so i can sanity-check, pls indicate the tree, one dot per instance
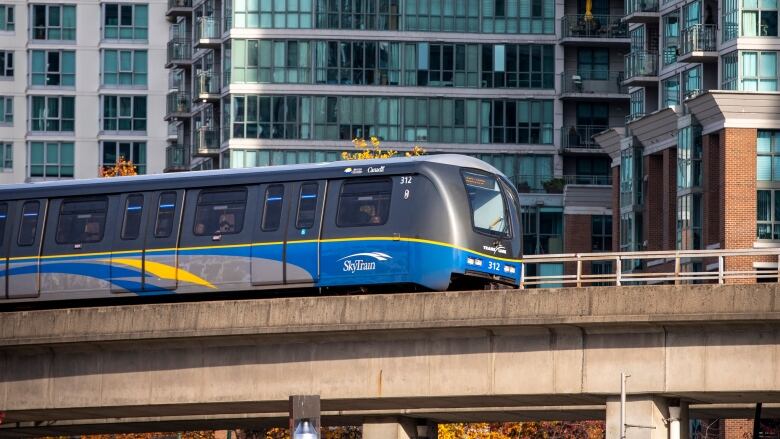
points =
(524, 430)
(122, 168)
(372, 149)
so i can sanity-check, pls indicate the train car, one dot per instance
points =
(434, 222)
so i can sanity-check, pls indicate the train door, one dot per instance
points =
(25, 246)
(269, 231)
(76, 253)
(302, 245)
(4, 245)
(129, 235)
(162, 238)
(215, 234)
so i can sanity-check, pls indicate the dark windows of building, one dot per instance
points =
(518, 66)
(50, 160)
(542, 230)
(130, 151)
(54, 22)
(601, 233)
(759, 18)
(593, 63)
(52, 113)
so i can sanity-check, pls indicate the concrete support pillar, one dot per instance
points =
(678, 420)
(641, 411)
(389, 428)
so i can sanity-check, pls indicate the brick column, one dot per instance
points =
(738, 194)
(654, 201)
(578, 240)
(616, 208)
(669, 199)
(711, 189)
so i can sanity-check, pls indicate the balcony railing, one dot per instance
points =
(595, 26)
(581, 136)
(208, 28)
(178, 103)
(634, 6)
(177, 158)
(537, 183)
(207, 141)
(177, 7)
(699, 38)
(208, 84)
(668, 267)
(641, 63)
(631, 117)
(179, 51)
(593, 81)
(600, 180)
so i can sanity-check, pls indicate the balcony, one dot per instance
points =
(208, 86)
(177, 159)
(179, 53)
(206, 142)
(173, 131)
(177, 105)
(641, 68)
(699, 44)
(207, 32)
(593, 85)
(537, 184)
(596, 30)
(178, 8)
(641, 11)
(579, 138)
(590, 180)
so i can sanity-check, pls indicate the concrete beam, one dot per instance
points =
(596, 306)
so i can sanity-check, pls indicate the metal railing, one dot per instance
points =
(593, 82)
(600, 180)
(699, 38)
(595, 26)
(178, 102)
(175, 4)
(531, 183)
(641, 63)
(208, 83)
(634, 6)
(632, 117)
(659, 267)
(179, 50)
(208, 28)
(177, 158)
(580, 136)
(207, 141)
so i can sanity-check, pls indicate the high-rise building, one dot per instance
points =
(81, 83)
(522, 84)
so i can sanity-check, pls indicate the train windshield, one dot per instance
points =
(488, 207)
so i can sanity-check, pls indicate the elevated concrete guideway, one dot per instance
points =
(485, 354)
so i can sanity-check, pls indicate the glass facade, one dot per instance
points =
(53, 68)
(50, 160)
(7, 20)
(125, 21)
(125, 68)
(53, 22)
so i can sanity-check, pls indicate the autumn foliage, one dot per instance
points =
(122, 168)
(524, 430)
(372, 149)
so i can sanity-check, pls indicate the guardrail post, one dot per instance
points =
(522, 276)
(618, 270)
(720, 269)
(677, 269)
(579, 271)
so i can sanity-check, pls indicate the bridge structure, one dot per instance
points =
(396, 363)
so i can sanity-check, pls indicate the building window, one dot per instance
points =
(357, 62)
(691, 82)
(759, 71)
(50, 160)
(768, 214)
(637, 108)
(7, 22)
(54, 22)
(516, 66)
(542, 230)
(671, 27)
(125, 21)
(601, 233)
(124, 67)
(691, 14)
(532, 172)
(132, 151)
(521, 121)
(689, 152)
(365, 15)
(266, 117)
(53, 68)
(266, 61)
(441, 16)
(7, 156)
(730, 19)
(124, 113)
(630, 177)
(6, 64)
(290, 14)
(730, 71)
(670, 92)
(523, 16)
(248, 158)
(768, 155)
(689, 214)
(6, 110)
(759, 20)
(593, 63)
(52, 113)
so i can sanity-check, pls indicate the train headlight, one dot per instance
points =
(478, 262)
(512, 269)
(470, 261)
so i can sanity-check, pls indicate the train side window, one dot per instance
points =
(131, 225)
(166, 212)
(488, 206)
(364, 203)
(307, 206)
(272, 209)
(29, 221)
(81, 220)
(220, 212)
(3, 217)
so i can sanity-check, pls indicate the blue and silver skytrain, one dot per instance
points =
(434, 222)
